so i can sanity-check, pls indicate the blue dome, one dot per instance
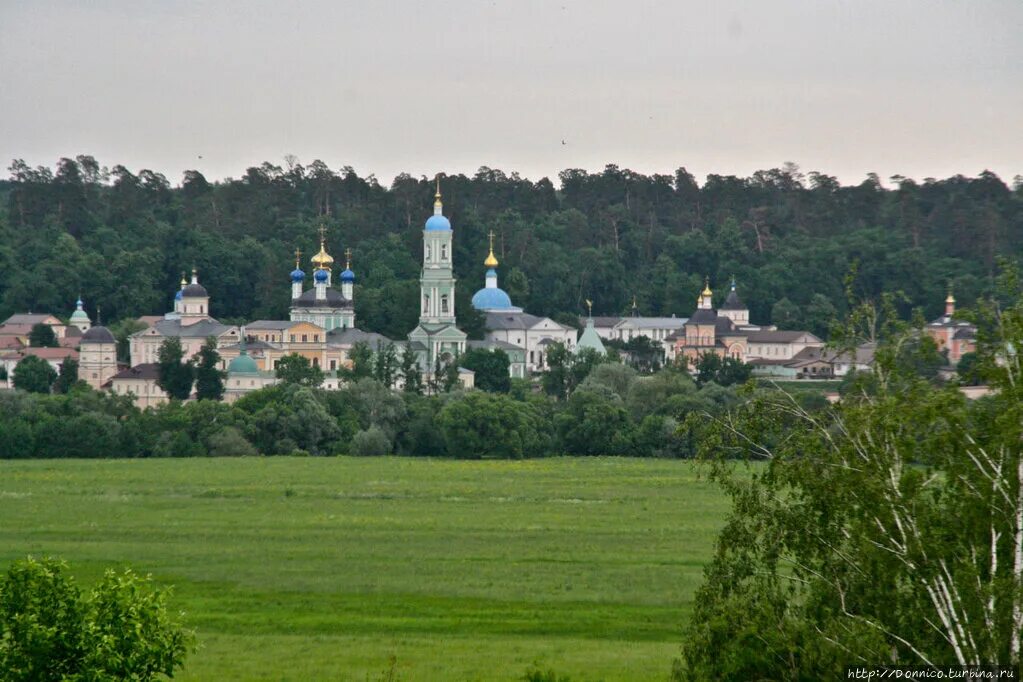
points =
(438, 223)
(297, 275)
(177, 296)
(491, 299)
(347, 276)
(321, 276)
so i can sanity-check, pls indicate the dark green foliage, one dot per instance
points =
(371, 442)
(883, 528)
(34, 375)
(491, 368)
(411, 374)
(128, 235)
(480, 425)
(42, 336)
(968, 370)
(297, 370)
(67, 377)
(209, 378)
(362, 361)
(176, 375)
(723, 372)
(594, 422)
(120, 630)
(385, 365)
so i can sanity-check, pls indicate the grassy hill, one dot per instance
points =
(341, 568)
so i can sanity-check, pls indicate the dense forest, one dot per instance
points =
(123, 239)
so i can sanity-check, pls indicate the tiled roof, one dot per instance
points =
(146, 371)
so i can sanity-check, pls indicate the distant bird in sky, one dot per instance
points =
(563, 142)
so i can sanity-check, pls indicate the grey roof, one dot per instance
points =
(652, 322)
(496, 320)
(98, 335)
(194, 290)
(494, 343)
(861, 355)
(270, 324)
(147, 370)
(333, 299)
(254, 344)
(350, 336)
(202, 328)
(600, 321)
(28, 318)
(778, 336)
(733, 302)
(966, 333)
(702, 316)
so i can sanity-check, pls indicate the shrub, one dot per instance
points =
(371, 442)
(229, 442)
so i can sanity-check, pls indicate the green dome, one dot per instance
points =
(243, 364)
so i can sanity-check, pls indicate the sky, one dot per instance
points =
(916, 88)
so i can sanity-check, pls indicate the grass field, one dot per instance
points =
(326, 568)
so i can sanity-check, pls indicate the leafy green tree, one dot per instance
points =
(371, 442)
(297, 370)
(42, 336)
(230, 442)
(593, 422)
(362, 360)
(490, 367)
(644, 354)
(411, 375)
(968, 370)
(385, 368)
(67, 377)
(479, 425)
(557, 380)
(819, 315)
(33, 374)
(785, 314)
(209, 378)
(884, 527)
(448, 378)
(707, 367)
(120, 630)
(175, 375)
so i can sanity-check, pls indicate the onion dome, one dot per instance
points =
(491, 299)
(177, 295)
(243, 364)
(320, 275)
(322, 260)
(98, 335)
(491, 261)
(79, 314)
(437, 222)
(347, 275)
(297, 275)
(706, 287)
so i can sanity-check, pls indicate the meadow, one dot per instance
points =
(357, 569)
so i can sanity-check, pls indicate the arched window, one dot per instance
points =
(444, 303)
(444, 252)
(427, 252)
(426, 303)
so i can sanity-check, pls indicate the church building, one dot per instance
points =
(323, 305)
(437, 340)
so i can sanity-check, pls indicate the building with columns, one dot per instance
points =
(437, 340)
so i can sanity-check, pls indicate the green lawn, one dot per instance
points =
(325, 568)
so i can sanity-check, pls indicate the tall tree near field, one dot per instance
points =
(361, 356)
(209, 378)
(491, 368)
(175, 376)
(385, 366)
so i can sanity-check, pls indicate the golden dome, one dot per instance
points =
(706, 287)
(491, 261)
(322, 260)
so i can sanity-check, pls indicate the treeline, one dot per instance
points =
(609, 410)
(121, 239)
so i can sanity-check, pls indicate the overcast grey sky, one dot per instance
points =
(925, 88)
